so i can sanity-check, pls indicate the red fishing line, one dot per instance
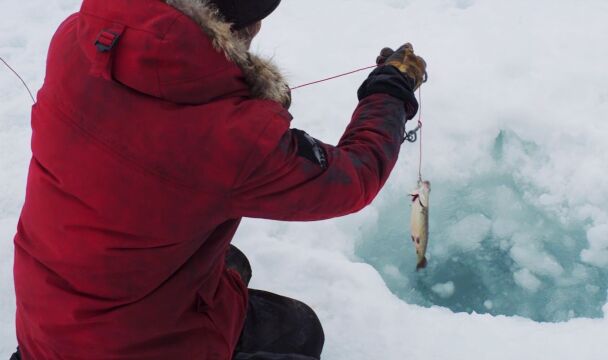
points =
(333, 77)
(419, 110)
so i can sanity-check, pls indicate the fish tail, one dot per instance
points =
(421, 264)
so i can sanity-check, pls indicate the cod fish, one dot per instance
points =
(420, 221)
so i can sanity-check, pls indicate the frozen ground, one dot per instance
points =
(514, 146)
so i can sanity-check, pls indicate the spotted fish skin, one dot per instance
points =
(420, 221)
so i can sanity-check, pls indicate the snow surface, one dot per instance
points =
(514, 118)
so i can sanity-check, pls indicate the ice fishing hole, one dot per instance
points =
(492, 250)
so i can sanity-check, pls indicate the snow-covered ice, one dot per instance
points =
(514, 141)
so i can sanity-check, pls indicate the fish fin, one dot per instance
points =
(415, 197)
(424, 200)
(421, 264)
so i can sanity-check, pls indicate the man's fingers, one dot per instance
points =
(406, 48)
(403, 52)
(386, 52)
(407, 62)
(421, 60)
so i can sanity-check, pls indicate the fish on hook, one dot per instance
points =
(420, 221)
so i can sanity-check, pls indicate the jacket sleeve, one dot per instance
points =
(304, 179)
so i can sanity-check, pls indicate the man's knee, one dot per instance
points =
(281, 325)
(237, 261)
(313, 330)
(311, 336)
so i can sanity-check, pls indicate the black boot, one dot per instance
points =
(16, 356)
(279, 328)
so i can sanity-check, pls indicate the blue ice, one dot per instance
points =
(492, 248)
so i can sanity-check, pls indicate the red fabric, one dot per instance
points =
(137, 185)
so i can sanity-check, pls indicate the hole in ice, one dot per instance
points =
(493, 248)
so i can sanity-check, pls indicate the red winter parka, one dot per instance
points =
(154, 133)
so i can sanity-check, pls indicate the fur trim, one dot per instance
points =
(263, 77)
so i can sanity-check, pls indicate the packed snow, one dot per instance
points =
(514, 146)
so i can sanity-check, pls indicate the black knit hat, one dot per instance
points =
(245, 12)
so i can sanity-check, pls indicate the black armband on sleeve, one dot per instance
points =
(389, 80)
(310, 148)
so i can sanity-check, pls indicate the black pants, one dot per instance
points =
(276, 327)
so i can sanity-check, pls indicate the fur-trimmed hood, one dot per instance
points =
(262, 76)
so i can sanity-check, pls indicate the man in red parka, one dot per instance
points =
(155, 132)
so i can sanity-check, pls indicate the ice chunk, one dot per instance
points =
(535, 260)
(468, 233)
(527, 280)
(597, 253)
(393, 272)
(445, 290)
(503, 227)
